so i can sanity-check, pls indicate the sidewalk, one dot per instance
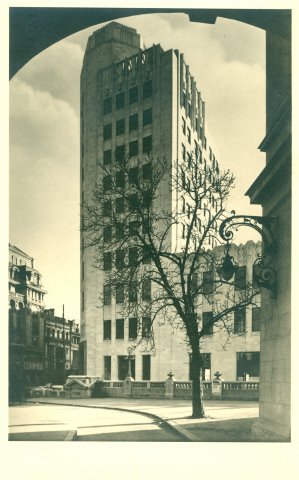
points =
(225, 421)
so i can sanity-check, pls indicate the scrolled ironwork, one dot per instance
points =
(261, 224)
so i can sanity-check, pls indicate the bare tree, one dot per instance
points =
(154, 226)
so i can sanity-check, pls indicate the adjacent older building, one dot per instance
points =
(62, 338)
(43, 348)
(26, 323)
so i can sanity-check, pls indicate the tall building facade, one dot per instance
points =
(142, 104)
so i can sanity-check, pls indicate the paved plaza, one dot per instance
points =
(113, 419)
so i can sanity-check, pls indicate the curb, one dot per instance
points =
(71, 436)
(182, 432)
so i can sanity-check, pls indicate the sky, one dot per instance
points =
(228, 62)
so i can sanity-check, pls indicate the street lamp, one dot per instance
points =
(130, 350)
(263, 274)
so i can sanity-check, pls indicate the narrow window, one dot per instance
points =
(120, 126)
(133, 95)
(240, 321)
(120, 100)
(119, 205)
(206, 319)
(147, 172)
(256, 319)
(107, 208)
(207, 281)
(107, 261)
(240, 278)
(146, 367)
(133, 176)
(133, 148)
(147, 117)
(147, 89)
(132, 328)
(120, 259)
(107, 330)
(120, 153)
(146, 290)
(120, 329)
(107, 131)
(133, 122)
(133, 292)
(146, 327)
(107, 183)
(107, 233)
(147, 144)
(107, 294)
(120, 179)
(107, 368)
(133, 256)
(107, 105)
(107, 157)
(120, 293)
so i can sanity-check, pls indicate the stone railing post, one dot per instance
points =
(128, 381)
(169, 386)
(217, 386)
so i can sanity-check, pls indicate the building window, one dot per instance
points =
(107, 233)
(146, 255)
(107, 131)
(207, 282)
(240, 278)
(120, 126)
(146, 327)
(120, 259)
(189, 135)
(107, 105)
(120, 100)
(146, 290)
(34, 331)
(120, 329)
(133, 95)
(133, 176)
(240, 321)
(133, 256)
(256, 319)
(107, 183)
(107, 261)
(120, 153)
(107, 294)
(146, 367)
(120, 179)
(133, 202)
(120, 293)
(147, 117)
(107, 208)
(189, 159)
(119, 231)
(147, 172)
(82, 301)
(206, 318)
(122, 361)
(183, 152)
(107, 368)
(107, 330)
(248, 363)
(147, 144)
(133, 228)
(133, 292)
(133, 148)
(107, 157)
(132, 328)
(147, 89)
(133, 122)
(119, 205)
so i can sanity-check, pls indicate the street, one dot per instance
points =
(52, 422)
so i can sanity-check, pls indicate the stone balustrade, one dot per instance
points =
(80, 386)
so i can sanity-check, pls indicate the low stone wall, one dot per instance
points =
(94, 387)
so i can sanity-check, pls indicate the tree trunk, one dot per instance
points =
(198, 410)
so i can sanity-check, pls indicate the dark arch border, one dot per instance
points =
(33, 29)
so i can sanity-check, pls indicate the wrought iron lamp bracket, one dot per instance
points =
(264, 275)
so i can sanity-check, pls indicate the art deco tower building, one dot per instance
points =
(142, 102)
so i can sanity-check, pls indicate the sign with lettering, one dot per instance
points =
(33, 365)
